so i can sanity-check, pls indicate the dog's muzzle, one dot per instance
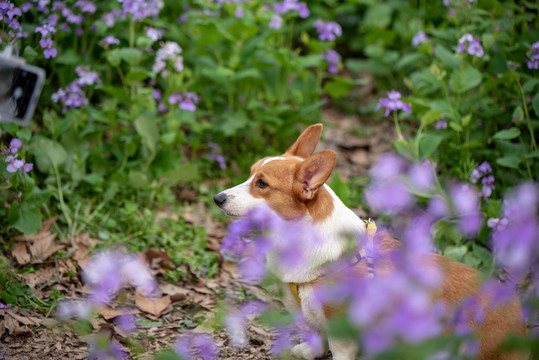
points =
(220, 199)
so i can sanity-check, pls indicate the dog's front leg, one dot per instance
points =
(343, 349)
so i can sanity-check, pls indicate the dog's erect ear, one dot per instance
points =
(312, 173)
(307, 141)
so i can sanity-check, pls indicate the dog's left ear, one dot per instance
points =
(307, 141)
(312, 173)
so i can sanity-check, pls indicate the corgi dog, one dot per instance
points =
(293, 186)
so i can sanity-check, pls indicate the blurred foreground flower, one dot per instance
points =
(533, 63)
(332, 59)
(193, 346)
(419, 38)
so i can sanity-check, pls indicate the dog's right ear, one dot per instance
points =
(306, 143)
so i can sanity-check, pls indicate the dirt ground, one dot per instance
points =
(27, 334)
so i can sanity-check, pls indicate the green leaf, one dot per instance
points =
(430, 117)
(535, 104)
(69, 57)
(510, 161)
(447, 57)
(143, 42)
(483, 254)
(532, 154)
(136, 76)
(29, 54)
(508, 134)
(114, 57)
(456, 252)
(530, 85)
(147, 129)
(464, 80)
(340, 188)
(403, 148)
(131, 56)
(28, 221)
(47, 153)
(518, 115)
(429, 143)
(183, 173)
(138, 180)
(338, 88)
(233, 122)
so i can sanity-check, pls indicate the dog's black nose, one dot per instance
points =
(220, 199)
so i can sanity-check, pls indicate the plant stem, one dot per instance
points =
(61, 197)
(397, 126)
(530, 128)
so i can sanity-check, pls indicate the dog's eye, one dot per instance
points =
(261, 184)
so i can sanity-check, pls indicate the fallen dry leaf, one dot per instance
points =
(157, 257)
(151, 306)
(44, 247)
(20, 253)
(25, 320)
(42, 232)
(110, 313)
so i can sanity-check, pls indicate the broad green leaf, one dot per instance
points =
(138, 180)
(378, 16)
(131, 56)
(510, 161)
(456, 252)
(338, 88)
(68, 57)
(447, 57)
(403, 148)
(28, 221)
(532, 154)
(508, 134)
(147, 129)
(233, 122)
(530, 85)
(136, 76)
(429, 143)
(183, 173)
(47, 152)
(430, 117)
(518, 115)
(114, 57)
(464, 80)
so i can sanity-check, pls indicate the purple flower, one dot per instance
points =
(141, 9)
(533, 63)
(497, 224)
(236, 321)
(332, 58)
(45, 30)
(175, 98)
(26, 7)
(126, 323)
(419, 38)
(192, 346)
(441, 124)
(421, 176)
(238, 12)
(292, 5)
(109, 40)
(390, 196)
(86, 6)
(15, 144)
(109, 18)
(71, 17)
(488, 186)
(276, 22)
(327, 30)
(169, 51)
(154, 34)
(387, 167)
(86, 77)
(468, 43)
(393, 102)
(45, 43)
(466, 204)
(216, 154)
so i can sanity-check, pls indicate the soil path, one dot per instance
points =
(27, 334)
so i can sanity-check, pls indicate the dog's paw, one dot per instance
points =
(304, 351)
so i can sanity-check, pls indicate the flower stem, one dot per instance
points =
(397, 126)
(530, 128)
